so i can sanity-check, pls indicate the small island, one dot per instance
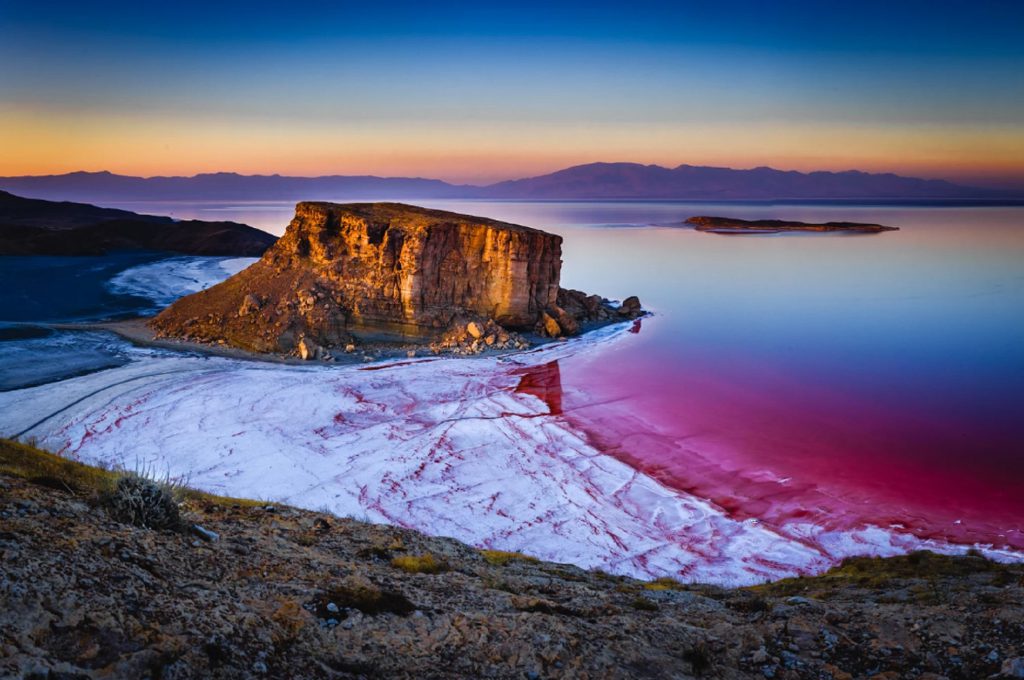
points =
(731, 225)
(386, 274)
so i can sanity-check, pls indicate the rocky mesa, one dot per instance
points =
(388, 272)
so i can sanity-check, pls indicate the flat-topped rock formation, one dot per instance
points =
(35, 227)
(731, 225)
(386, 272)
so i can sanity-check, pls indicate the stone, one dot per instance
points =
(630, 307)
(309, 349)
(250, 304)
(205, 534)
(549, 326)
(474, 329)
(566, 322)
(1013, 668)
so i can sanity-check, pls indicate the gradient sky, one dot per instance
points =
(476, 92)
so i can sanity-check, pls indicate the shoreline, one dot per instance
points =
(136, 331)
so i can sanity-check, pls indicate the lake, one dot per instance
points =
(837, 380)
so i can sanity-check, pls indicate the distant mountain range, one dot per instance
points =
(591, 181)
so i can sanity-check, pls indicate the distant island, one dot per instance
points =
(37, 227)
(731, 225)
(592, 181)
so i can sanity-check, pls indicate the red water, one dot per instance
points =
(759, 444)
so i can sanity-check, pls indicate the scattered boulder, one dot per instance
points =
(307, 349)
(630, 307)
(1013, 668)
(548, 326)
(250, 304)
(476, 336)
(566, 321)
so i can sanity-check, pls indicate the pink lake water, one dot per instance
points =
(842, 379)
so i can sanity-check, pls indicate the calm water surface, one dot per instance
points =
(790, 377)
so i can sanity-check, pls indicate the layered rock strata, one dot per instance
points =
(386, 272)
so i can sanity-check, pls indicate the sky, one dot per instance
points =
(481, 92)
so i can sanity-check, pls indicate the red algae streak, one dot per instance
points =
(766, 446)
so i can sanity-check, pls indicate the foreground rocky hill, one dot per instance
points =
(238, 589)
(36, 227)
(388, 272)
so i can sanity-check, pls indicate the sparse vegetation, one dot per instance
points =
(419, 564)
(699, 657)
(145, 503)
(748, 603)
(499, 558)
(664, 583)
(56, 472)
(880, 573)
(91, 482)
(643, 604)
(361, 595)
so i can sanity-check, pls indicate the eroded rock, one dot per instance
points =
(387, 272)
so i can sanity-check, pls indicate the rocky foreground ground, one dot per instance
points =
(244, 589)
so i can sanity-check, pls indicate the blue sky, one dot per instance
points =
(473, 91)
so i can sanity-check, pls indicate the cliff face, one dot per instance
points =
(381, 271)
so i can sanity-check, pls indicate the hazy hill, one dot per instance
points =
(633, 180)
(106, 186)
(15, 210)
(36, 227)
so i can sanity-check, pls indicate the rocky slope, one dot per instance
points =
(35, 227)
(246, 590)
(731, 225)
(392, 272)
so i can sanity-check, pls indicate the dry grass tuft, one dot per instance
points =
(145, 503)
(419, 564)
(500, 558)
(664, 583)
(57, 472)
